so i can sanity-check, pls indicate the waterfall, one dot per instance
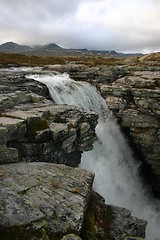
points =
(117, 172)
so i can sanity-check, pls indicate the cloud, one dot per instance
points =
(123, 25)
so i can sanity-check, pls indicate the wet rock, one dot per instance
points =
(104, 221)
(129, 226)
(12, 82)
(81, 72)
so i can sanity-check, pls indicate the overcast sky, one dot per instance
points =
(122, 25)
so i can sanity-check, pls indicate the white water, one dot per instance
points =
(117, 173)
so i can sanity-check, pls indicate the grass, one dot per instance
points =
(9, 59)
(25, 60)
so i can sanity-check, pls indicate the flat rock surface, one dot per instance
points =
(36, 196)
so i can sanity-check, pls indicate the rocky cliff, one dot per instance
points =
(133, 94)
(135, 101)
(47, 201)
(40, 199)
(44, 132)
(33, 129)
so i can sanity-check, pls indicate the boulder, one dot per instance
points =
(8, 155)
(124, 225)
(103, 221)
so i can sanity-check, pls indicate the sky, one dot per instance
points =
(121, 25)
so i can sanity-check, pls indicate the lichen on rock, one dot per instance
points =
(40, 198)
(34, 131)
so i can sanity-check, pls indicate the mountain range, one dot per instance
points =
(54, 49)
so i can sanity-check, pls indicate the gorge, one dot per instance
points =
(116, 171)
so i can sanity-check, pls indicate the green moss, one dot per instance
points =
(34, 125)
(97, 220)
(25, 233)
(59, 119)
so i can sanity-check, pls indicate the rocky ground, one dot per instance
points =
(40, 199)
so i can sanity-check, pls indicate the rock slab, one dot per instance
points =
(42, 199)
(44, 132)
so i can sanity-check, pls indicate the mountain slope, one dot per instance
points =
(11, 47)
(53, 49)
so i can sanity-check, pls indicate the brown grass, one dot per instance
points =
(54, 184)
(24, 60)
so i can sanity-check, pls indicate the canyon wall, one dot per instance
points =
(132, 93)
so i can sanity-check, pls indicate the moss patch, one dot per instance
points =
(97, 220)
(59, 119)
(34, 125)
(18, 233)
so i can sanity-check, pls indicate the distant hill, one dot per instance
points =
(151, 57)
(52, 46)
(11, 47)
(53, 49)
(108, 53)
(48, 47)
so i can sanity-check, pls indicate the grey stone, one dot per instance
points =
(46, 132)
(103, 221)
(135, 101)
(133, 118)
(3, 135)
(6, 102)
(8, 155)
(71, 237)
(16, 128)
(39, 195)
(125, 225)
